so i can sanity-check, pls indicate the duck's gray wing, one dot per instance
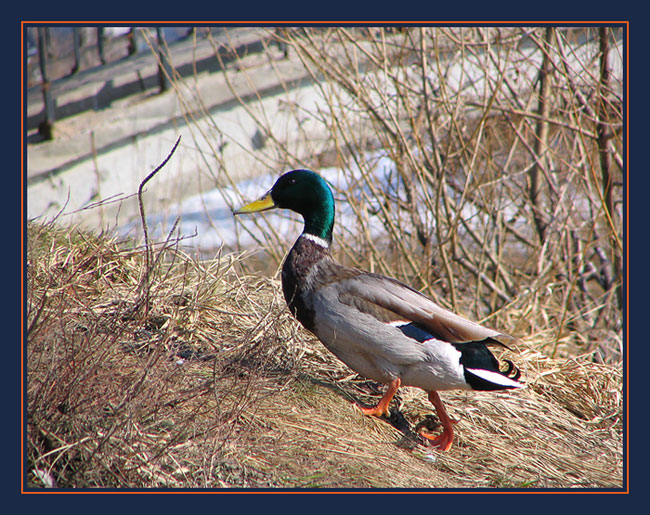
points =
(392, 301)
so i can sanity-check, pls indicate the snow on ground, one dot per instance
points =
(207, 222)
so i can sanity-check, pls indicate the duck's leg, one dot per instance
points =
(382, 406)
(444, 440)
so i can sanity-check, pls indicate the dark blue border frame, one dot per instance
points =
(350, 500)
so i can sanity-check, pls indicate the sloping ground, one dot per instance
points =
(205, 381)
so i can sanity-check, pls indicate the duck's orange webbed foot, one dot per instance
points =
(442, 442)
(446, 438)
(382, 406)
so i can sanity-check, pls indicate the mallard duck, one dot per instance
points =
(379, 327)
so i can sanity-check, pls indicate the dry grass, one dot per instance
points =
(218, 387)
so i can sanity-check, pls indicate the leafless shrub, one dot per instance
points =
(484, 165)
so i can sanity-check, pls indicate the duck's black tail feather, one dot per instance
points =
(482, 371)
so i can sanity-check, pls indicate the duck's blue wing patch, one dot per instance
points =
(413, 330)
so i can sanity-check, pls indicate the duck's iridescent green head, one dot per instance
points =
(304, 192)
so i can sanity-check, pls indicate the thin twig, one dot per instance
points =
(144, 285)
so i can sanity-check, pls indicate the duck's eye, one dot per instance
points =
(291, 181)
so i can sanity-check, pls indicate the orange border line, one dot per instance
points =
(22, 256)
(627, 254)
(322, 22)
(23, 23)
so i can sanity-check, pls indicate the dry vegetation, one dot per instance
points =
(218, 387)
(504, 192)
(506, 204)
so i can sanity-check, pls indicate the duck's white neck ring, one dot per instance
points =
(316, 239)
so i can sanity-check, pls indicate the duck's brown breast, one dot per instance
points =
(296, 283)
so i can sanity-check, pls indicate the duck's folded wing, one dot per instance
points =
(391, 301)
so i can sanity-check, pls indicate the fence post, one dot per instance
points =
(76, 45)
(132, 37)
(46, 127)
(164, 68)
(100, 44)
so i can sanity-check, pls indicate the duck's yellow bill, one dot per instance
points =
(262, 204)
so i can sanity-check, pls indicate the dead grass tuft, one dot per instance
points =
(218, 387)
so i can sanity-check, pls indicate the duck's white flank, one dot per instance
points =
(317, 240)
